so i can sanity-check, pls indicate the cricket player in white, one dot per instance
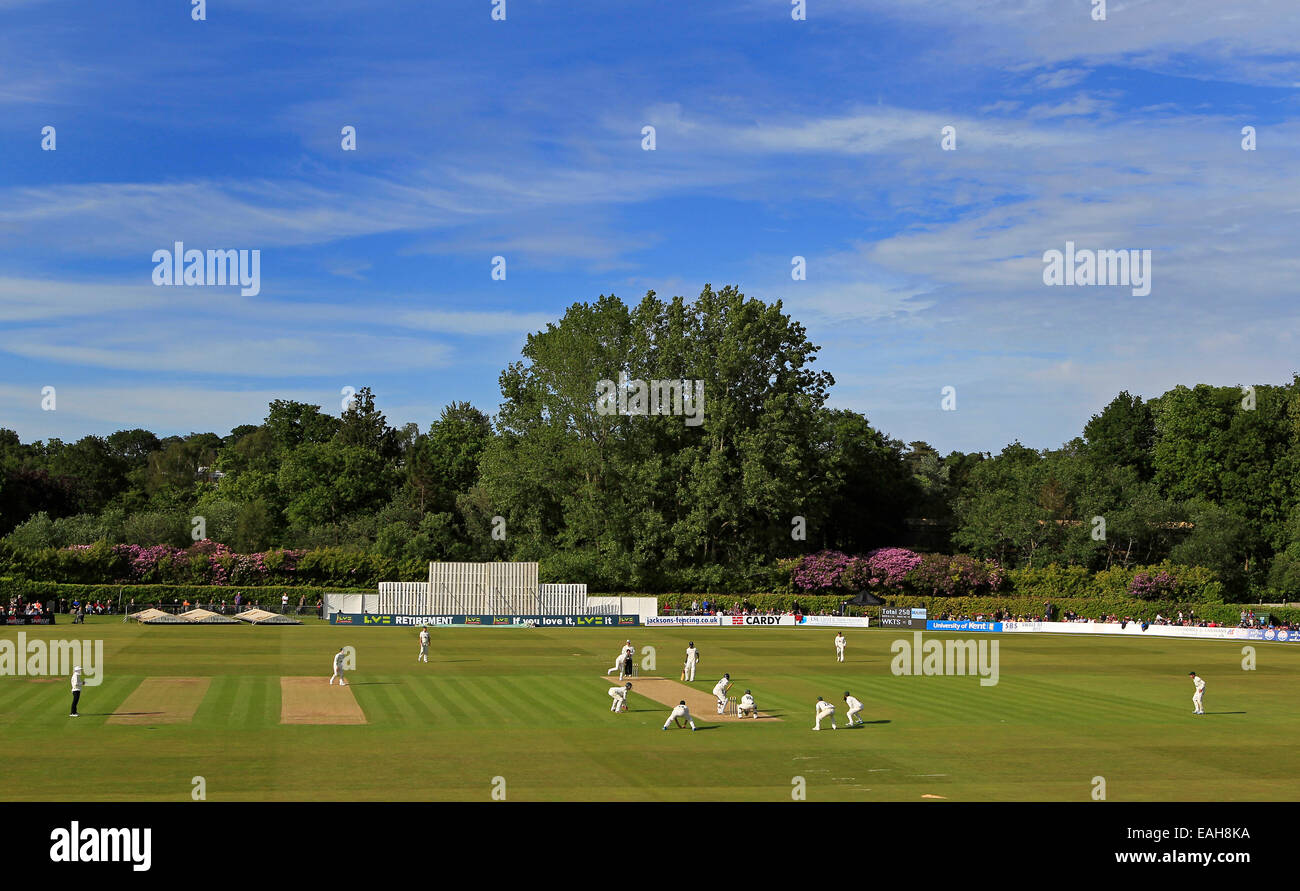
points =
(1200, 692)
(746, 706)
(680, 711)
(839, 647)
(622, 654)
(338, 668)
(824, 710)
(692, 658)
(76, 691)
(720, 691)
(424, 646)
(619, 695)
(855, 706)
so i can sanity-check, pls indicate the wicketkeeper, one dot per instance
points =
(746, 707)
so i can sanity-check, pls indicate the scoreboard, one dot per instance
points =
(902, 617)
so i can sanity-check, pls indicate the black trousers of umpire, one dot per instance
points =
(76, 694)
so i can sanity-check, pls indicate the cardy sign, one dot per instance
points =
(736, 621)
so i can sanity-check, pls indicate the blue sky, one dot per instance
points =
(522, 138)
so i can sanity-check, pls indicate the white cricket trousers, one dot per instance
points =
(827, 712)
(689, 718)
(1196, 701)
(690, 671)
(338, 673)
(853, 714)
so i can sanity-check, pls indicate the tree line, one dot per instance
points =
(1202, 476)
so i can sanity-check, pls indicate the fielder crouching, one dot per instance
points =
(746, 707)
(855, 706)
(619, 695)
(679, 712)
(824, 710)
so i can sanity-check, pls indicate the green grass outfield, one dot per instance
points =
(529, 705)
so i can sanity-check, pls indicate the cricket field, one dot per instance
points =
(524, 714)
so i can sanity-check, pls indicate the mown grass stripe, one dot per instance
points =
(422, 691)
(491, 699)
(522, 701)
(415, 705)
(461, 708)
(450, 706)
(377, 701)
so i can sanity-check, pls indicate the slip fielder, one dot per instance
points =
(839, 647)
(619, 695)
(720, 691)
(1199, 682)
(679, 712)
(338, 668)
(424, 646)
(855, 706)
(824, 710)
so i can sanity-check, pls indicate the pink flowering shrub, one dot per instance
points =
(1153, 586)
(820, 572)
(939, 575)
(888, 567)
(897, 571)
(205, 562)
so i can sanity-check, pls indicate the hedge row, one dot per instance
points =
(147, 594)
(207, 564)
(889, 572)
(1089, 607)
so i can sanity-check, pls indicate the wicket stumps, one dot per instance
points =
(730, 707)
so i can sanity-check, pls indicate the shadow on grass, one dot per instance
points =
(886, 721)
(375, 684)
(117, 714)
(1224, 713)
